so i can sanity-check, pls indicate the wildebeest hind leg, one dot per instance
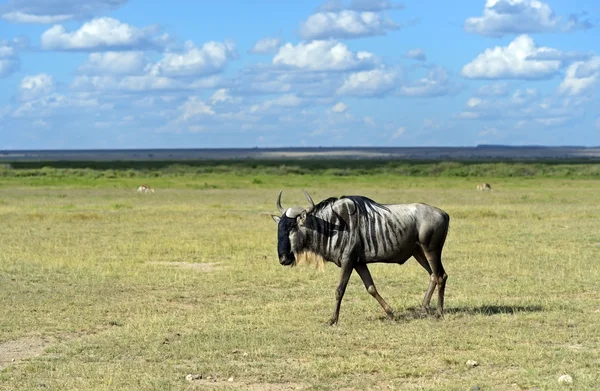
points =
(439, 274)
(422, 259)
(365, 276)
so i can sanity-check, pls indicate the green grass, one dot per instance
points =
(99, 273)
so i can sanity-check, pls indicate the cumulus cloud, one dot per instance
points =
(286, 101)
(501, 17)
(194, 107)
(55, 11)
(339, 107)
(322, 56)
(46, 105)
(222, 95)
(140, 83)
(416, 54)
(34, 86)
(399, 132)
(375, 82)
(515, 61)
(114, 63)
(268, 45)
(581, 77)
(495, 89)
(346, 24)
(211, 58)
(102, 34)
(578, 22)
(9, 61)
(436, 83)
(525, 106)
(360, 5)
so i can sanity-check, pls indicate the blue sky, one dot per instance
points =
(183, 74)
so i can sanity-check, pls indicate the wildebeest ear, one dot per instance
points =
(276, 218)
(302, 218)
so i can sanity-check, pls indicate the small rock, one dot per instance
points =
(230, 379)
(475, 388)
(472, 363)
(192, 377)
(565, 379)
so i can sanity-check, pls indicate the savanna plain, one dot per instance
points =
(102, 288)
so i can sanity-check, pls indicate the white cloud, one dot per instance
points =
(266, 45)
(50, 104)
(22, 17)
(553, 121)
(436, 83)
(8, 66)
(211, 58)
(322, 56)
(513, 62)
(502, 17)
(35, 86)
(360, 5)
(495, 89)
(339, 107)
(101, 34)
(473, 102)
(55, 11)
(417, 54)
(195, 107)
(374, 82)
(114, 63)
(369, 121)
(286, 101)
(577, 22)
(222, 95)
(399, 132)
(9, 62)
(345, 24)
(139, 83)
(526, 95)
(525, 106)
(581, 77)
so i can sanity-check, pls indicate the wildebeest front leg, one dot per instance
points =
(339, 292)
(365, 276)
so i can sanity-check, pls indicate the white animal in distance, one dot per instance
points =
(145, 189)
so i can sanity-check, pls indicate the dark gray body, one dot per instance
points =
(355, 231)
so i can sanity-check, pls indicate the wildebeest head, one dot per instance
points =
(291, 231)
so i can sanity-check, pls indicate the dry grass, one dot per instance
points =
(104, 275)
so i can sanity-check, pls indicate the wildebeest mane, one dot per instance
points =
(324, 204)
(363, 204)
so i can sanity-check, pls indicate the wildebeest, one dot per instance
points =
(353, 231)
(484, 187)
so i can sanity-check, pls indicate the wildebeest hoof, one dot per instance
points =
(330, 322)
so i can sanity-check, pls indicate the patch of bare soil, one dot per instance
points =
(202, 267)
(21, 349)
(206, 383)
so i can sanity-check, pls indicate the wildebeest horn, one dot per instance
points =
(312, 204)
(281, 210)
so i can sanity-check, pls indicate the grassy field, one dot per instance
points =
(102, 288)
